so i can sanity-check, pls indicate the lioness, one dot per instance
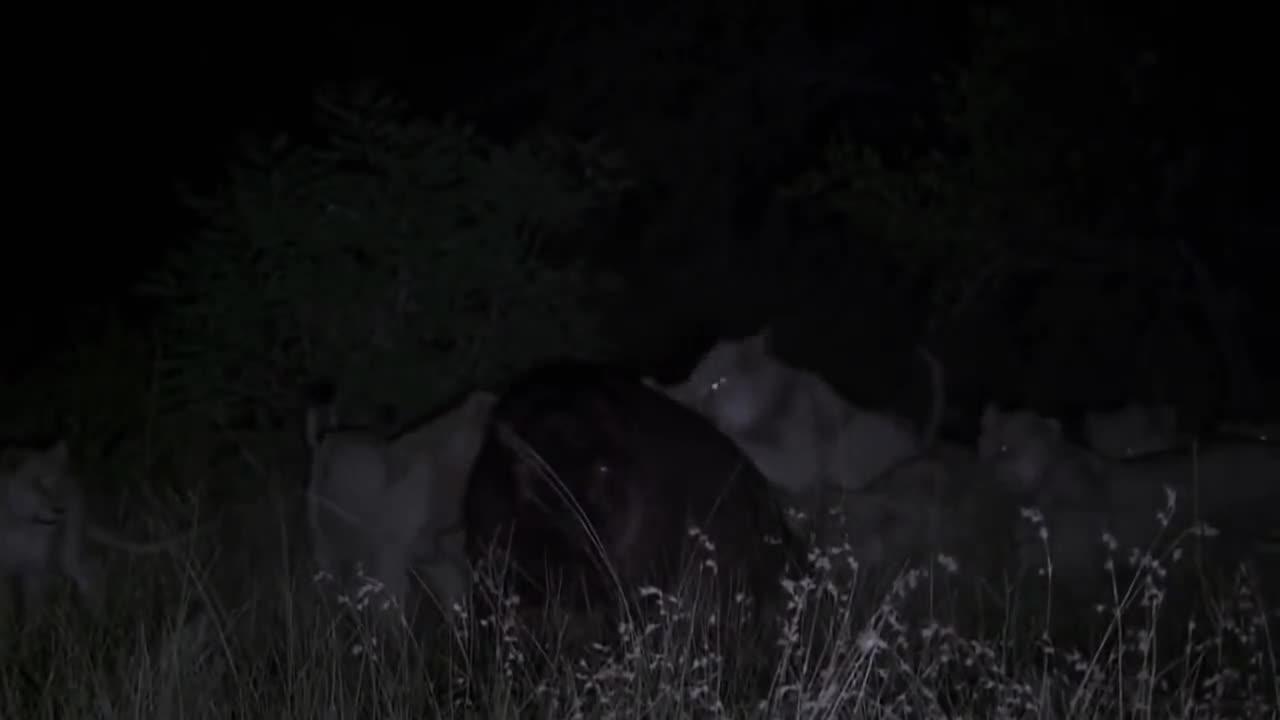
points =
(1082, 495)
(44, 528)
(1132, 430)
(381, 506)
(795, 427)
(1268, 432)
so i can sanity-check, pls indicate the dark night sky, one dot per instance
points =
(120, 118)
(132, 112)
(116, 112)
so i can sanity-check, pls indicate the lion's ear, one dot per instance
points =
(1054, 425)
(990, 415)
(761, 343)
(59, 453)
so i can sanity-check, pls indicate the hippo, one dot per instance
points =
(591, 477)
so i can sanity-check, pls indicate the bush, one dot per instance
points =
(407, 260)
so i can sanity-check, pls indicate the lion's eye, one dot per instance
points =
(711, 389)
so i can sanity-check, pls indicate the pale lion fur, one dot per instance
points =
(794, 426)
(41, 529)
(385, 504)
(44, 528)
(1083, 495)
(1267, 432)
(1132, 430)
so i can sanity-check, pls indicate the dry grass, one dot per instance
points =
(835, 652)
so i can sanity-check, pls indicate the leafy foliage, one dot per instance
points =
(405, 259)
(94, 392)
(956, 216)
(1049, 218)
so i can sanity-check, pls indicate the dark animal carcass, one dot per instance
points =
(591, 478)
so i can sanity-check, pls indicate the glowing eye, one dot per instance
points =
(711, 389)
